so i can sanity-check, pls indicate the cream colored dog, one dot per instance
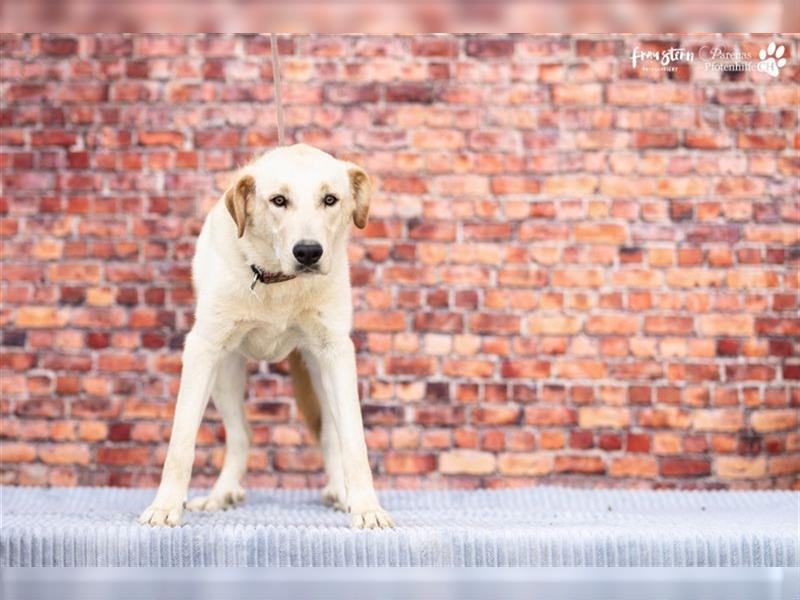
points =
(271, 279)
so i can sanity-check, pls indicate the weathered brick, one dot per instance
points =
(586, 93)
(740, 467)
(579, 464)
(549, 416)
(766, 421)
(526, 368)
(496, 415)
(298, 460)
(438, 47)
(609, 233)
(64, 454)
(17, 452)
(466, 462)
(784, 465)
(590, 417)
(489, 47)
(531, 465)
(40, 316)
(736, 325)
(645, 467)
(554, 324)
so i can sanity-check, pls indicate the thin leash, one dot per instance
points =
(276, 78)
(259, 275)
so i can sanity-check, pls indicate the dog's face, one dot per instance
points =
(295, 205)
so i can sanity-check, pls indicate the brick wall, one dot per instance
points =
(577, 271)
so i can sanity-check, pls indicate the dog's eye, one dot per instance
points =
(279, 200)
(330, 200)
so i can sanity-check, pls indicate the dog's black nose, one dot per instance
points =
(307, 253)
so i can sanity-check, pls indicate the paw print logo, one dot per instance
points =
(772, 59)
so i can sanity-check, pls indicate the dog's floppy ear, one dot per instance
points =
(236, 199)
(362, 191)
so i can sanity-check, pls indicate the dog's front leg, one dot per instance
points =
(336, 364)
(200, 359)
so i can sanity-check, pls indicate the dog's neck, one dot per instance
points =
(263, 267)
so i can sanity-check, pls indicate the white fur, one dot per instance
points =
(312, 313)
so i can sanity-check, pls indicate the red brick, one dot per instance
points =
(488, 47)
(442, 322)
(612, 324)
(132, 455)
(53, 137)
(598, 47)
(579, 464)
(439, 47)
(217, 139)
(526, 369)
(409, 92)
(600, 233)
(655, 139)
(59, 46)
(298, 460)
(637, 442)
(685, 467)
(500, 324)
(581, 369)
(703, 140)
(496, 415)
(536, 415)
(17, 452)
(409, 366)
(161, 138)
(610, 441)
(397, 463)
(581, 440)
(784, 465)
(761, 142)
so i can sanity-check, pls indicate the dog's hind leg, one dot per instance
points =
(228, 396)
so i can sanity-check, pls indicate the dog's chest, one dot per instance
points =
(271, 343)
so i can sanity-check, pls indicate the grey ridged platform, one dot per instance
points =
(543, 526)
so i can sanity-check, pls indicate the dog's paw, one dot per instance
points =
(217, 500)
(169, 516)
(333, 498)
(371, 519)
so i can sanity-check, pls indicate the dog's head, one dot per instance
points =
(295, 205)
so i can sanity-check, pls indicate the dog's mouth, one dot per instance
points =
(306, 270)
